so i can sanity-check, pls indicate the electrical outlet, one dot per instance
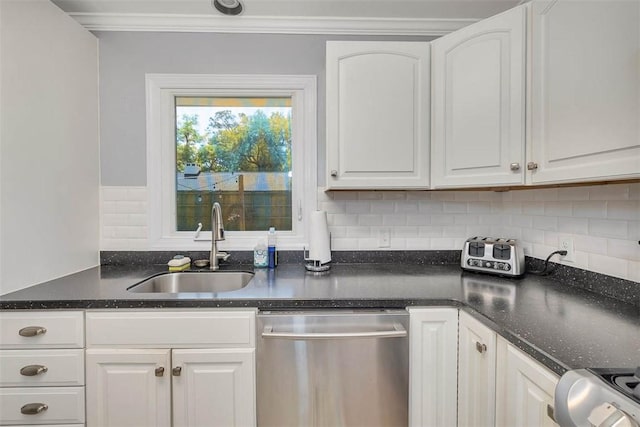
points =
(566, 244)
(384, 238)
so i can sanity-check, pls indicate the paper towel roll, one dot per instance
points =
(319, 240)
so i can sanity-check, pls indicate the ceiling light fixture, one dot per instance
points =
(227, 7)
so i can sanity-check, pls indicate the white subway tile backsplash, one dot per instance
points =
(604, 221)
(342, 219)
(624, 249)
(479, 207)
(455, 207)
(557, 209)
(573, 193)
(441, 219)
(382, 207)
(370, 220)
(532, 208)
(608, 265)
(589, 244)
(430, 231)
(609, 192)
(406, 207)
(394, 220)
(573, 225)
(627, 209)
(431, 206)
(358, 207)
(608, 228)
(589, 209)
(417, 220)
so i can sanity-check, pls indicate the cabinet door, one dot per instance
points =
(525, 389)
(377, 115)
(479, 103)
(128, 388)
(476, 373)
(585, 90)
(214, 388)
(433, 366)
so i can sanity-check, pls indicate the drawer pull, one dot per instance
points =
(33, 408)
(481, 347)
(33, 370)
(177, 371)
(32, 331)
(159, 371)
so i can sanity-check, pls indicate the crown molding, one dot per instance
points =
(269, 25)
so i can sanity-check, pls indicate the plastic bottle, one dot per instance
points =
(260, 255)
(271, 241)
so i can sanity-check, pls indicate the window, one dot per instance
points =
(246, 141)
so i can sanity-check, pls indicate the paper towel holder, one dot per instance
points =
(315, 265)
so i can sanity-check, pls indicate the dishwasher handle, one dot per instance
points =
(398, 331)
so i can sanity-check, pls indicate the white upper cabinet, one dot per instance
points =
(377, 115)
(479, 103)
(585, 90)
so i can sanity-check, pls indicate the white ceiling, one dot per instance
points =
(426, 17)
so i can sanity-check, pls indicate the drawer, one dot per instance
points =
(175, 329)
(26, 368)
(64, 405)
(39, 329)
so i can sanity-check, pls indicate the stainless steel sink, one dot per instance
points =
(194, 282)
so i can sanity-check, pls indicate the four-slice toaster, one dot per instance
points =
(500, 256)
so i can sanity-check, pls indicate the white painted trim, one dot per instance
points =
(269, 24)
(160, 90)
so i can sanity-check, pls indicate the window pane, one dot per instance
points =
(236, 151)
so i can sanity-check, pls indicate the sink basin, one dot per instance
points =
(194, 282)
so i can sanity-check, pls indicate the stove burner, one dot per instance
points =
(626, 381)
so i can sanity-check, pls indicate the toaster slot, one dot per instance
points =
(501, 251)
(476, 249)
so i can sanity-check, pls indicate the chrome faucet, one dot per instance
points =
(217, 234)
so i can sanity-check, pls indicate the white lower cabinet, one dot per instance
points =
(476, 373)
(433, 356)
(525, 389)
(176, 386)
(42, 368)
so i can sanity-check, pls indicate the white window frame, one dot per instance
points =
(161, 90)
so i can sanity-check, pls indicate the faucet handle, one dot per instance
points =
(223, 255)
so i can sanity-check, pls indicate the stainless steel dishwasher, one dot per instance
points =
(333, 368)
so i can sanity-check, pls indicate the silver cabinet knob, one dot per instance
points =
(33, 408)
(514, 166)
(334, 173)
(33, 370)
(177, 371)
(159, 371)
(481, 347)
(32, 331)
(532, 166)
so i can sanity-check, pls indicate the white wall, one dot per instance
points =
(49, 173)
(604, 221)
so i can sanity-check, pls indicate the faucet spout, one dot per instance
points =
(217, 234)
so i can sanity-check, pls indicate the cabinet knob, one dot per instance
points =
(33, 370)
(481, 347)
(334, 173)
(159, 371)
(532, 166)
(177, 371)
(33, 408)
(32, 331)
(514, 166)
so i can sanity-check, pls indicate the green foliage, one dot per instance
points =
(187, 136)
(255, 143)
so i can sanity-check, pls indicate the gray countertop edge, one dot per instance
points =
(553, 364)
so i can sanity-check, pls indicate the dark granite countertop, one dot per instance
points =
(564, 327)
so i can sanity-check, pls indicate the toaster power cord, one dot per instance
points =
(545, 271)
